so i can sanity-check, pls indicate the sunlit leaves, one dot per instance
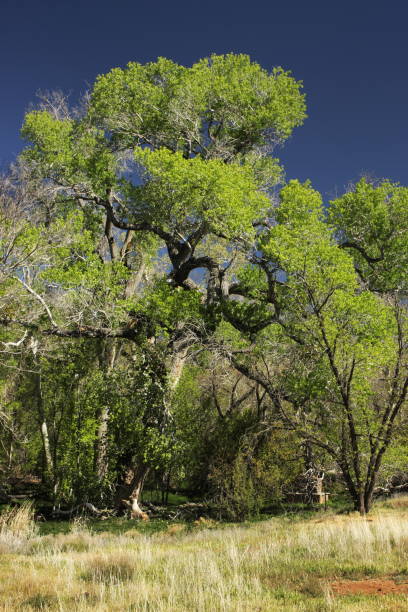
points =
(222, 105)
(372, 220)
(73, 154)
(186, 193)
(304, 249)
(167, 306)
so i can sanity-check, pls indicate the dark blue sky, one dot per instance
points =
(352, 58)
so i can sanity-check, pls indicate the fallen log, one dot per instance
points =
(87, 506)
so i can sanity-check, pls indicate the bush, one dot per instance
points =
(253, 475)
(237, 496)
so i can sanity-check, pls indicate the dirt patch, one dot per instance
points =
(371, 586)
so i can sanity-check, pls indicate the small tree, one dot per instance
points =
(330, 330)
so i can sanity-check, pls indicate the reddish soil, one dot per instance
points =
(371, 586)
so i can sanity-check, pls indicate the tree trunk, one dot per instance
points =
(176, 369)
(49, 465)
(136, 489)
(308, 455)
(361, 495)
(368, 500)
(102, 444)
(128, 493)
(47, 448)
(10, 454)
(361, 504)
(107, 363)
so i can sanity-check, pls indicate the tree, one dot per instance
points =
(165, 168)
(329, 330)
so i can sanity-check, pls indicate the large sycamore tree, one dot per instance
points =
(142, 204)
(145, 224)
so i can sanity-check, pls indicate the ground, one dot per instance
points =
(325, 562)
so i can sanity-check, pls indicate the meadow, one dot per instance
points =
(324, 561)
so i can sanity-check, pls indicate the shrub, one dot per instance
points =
(237, 497)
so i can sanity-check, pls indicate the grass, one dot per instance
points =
(17, 527)
(282, 563)
(116, 526)
(174, 499)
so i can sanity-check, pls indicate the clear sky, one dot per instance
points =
(351, 56)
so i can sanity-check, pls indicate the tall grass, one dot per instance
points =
(17, 528)
(279, 564)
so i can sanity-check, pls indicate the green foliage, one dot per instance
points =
(222, 105)
(69, 151)
(245, 99)
(372, 220)
(238, 498)
(137, 401)
(166, 305)
(303, 247)
(184, 193)
(256, 474)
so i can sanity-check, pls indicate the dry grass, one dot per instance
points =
(17, 528)
(279, 564)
